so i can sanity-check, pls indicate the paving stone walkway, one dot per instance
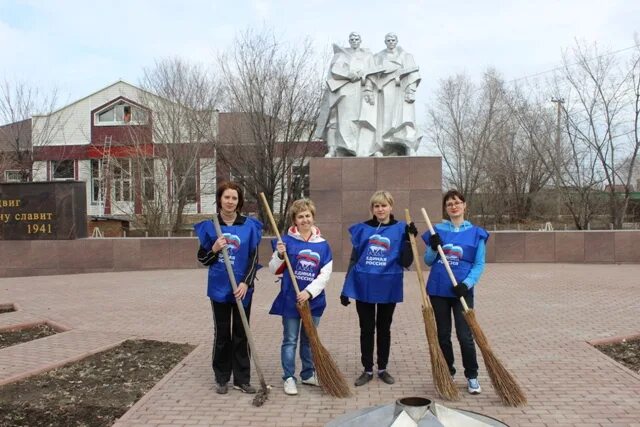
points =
(538, 318)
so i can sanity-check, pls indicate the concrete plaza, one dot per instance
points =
(538, 318)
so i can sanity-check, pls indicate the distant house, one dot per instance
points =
(107, 140)
(236, 139)
(619, 188)
(15, 152)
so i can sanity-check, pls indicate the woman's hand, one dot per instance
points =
(220, 243)
(303, 296)
(281, 248)
(241, 291)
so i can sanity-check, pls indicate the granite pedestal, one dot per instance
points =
(341, 188)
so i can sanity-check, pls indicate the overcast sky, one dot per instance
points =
(82, 46)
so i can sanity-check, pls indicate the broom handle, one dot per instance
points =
(444, 259)
(243, 314)
(275, 230)
(414, 249)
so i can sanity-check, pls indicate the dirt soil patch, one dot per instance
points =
(626, 352)
(9, 338)
(95, 391)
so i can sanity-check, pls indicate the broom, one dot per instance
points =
(439, 369)
(263, 394)
(503, 382)
(329, 376)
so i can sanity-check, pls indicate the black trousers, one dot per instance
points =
(370, 323)
(443, 307)
(230, 351)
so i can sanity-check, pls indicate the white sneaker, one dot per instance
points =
(290, 387)
(312, 380)
(474, 386)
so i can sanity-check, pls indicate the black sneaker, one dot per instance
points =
(386, 377)
(222, 388)
(245, 388)
(363, 379)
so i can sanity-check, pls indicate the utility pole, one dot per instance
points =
(556, 162)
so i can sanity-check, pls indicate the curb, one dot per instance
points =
(60, 363)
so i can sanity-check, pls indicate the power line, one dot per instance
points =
(575, 63)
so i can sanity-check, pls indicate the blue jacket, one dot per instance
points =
(312, 264)
(377, 276)
(464, 248)
(242, 240)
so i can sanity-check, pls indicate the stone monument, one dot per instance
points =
(43, 210)
(368, 121)
(368, 107)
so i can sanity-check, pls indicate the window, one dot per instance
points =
(12, 176)
(96, 181)
(107, 116)
(62, 169)
(122, 181)
(121, 113)
(300, 181)
(248, 186)
(147, 174)
(184, 182)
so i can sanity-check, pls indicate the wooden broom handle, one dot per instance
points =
(444, 258)
(414, 249)
(275, 230)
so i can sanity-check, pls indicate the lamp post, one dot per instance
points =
(558, 102)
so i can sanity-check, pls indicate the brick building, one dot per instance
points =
(109, 139)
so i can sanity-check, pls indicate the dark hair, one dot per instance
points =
(451, 194)
(228, 185)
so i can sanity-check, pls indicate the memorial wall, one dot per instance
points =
(43, 210)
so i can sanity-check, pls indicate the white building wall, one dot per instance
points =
(208, 186)
(84, 174)
(71, 125)
(39, 171)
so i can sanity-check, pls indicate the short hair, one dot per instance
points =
(451, 194)
(391, 35)
(301, 205)
(355, 33)
(381, 196)
(228, 185)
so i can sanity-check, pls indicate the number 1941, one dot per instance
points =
(39, 228)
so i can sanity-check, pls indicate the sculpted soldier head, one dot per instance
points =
(391, 40)
(354, 40)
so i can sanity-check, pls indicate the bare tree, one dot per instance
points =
(463, 122)
(181, 99)
(602, 110)
(276, 89)
(19, 102)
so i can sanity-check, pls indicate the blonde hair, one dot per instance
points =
(301, 205)
(381, 196)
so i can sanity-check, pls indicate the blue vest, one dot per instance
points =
(241, 241)
(307, 258)
(377, 275)
(460, 250)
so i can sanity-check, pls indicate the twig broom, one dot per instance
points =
(503, 382)
(263, 394)
(439, 369)
(329, 376)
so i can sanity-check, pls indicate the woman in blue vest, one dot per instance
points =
(241, 236)
(312, 263)
(381, 249)
(464, 246)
